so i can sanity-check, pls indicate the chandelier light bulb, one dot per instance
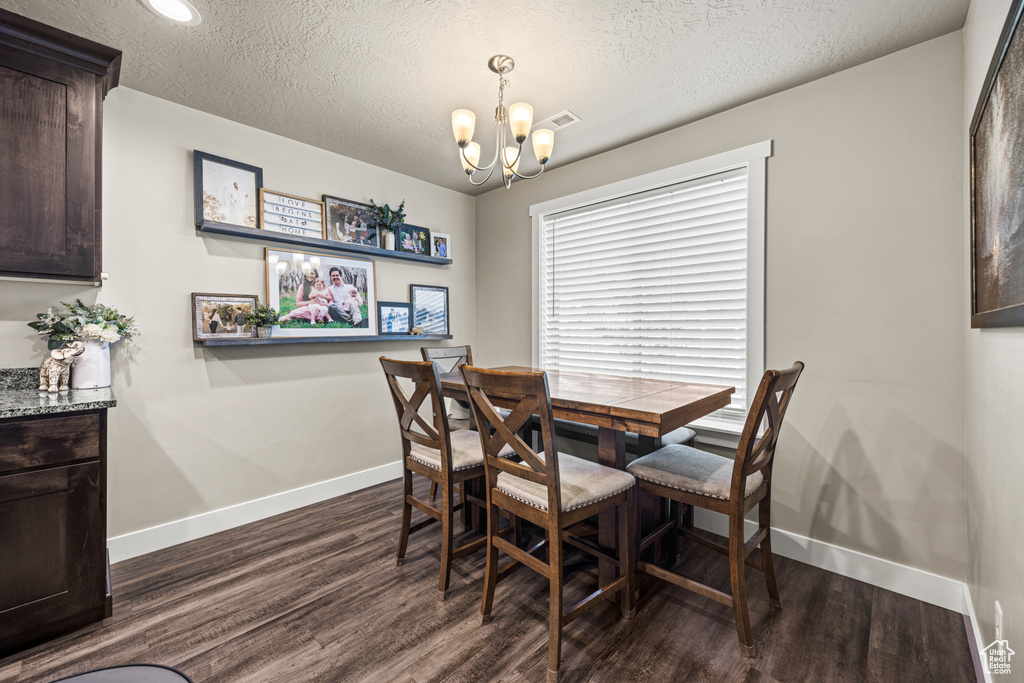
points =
(472, 152)
(314, 262)
(543, 142)
(510, 162)
(298, 258)
(281, 267)
(520, 118)
(463, 123)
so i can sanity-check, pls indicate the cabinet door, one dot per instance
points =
(49, 125)
(52, 553)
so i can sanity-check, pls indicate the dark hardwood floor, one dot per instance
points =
(314, 595)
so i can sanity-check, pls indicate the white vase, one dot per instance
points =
(92, 369)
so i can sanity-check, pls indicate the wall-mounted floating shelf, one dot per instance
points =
(256, 341)
(317, 243)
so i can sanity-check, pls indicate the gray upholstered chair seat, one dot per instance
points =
(455, 424)
(132, 673)
(582, 483)
(466, 452)
(570, 430)
(691, 470)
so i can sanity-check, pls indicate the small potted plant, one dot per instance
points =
(387, 220)
(263, 318)
(97, 327)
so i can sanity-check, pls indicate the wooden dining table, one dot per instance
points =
(650, 408)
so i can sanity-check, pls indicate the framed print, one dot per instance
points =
(220, 316)
(413, 240)
(440, 245)
(349, 221)
(321, 296)
(393, 317)
(291, 215)
(225, 191)
(429, 308)
(997, 185)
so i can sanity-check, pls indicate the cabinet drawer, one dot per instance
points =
(48, 441)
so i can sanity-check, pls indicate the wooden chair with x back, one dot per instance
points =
(435, 452)
(731, 487)
(550, 489)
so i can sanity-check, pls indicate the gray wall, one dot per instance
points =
(994, 403)
(864, 284)
(197, 430)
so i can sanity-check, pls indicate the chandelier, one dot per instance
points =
(519, 118)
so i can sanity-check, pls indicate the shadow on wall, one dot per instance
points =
(888, 499)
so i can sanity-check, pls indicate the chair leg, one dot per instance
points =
(739, 587)
(447, 521)
(627, 553)
(463, 488)
(403, 538)
(673, 535)
(764, 515)
(555, 619)
(491, 572)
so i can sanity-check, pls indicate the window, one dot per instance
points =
(658, 277)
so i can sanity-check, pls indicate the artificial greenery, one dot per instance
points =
(97, 322)
(262, 316)
(387, 217)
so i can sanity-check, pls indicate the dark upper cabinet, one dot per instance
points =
(52, 86)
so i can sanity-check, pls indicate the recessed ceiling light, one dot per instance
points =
(178, 11)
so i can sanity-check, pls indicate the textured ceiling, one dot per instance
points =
(377, 81)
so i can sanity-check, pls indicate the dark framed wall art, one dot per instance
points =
(226, 191)
(349, 221)
(997, 185)
(430, 308)
(216, 316)
(394, 317)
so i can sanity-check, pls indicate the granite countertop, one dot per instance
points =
(20, 396)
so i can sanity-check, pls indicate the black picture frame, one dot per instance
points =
(199, 187)
(199, 321)
(337, 212)
(430, 311)
(384, 309)
(997, 174)
(417, 236)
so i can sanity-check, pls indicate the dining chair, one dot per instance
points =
(435, 452)
(550, 489)
(730, 487)
(450, 358)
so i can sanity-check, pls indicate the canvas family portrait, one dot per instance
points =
(215, 316)
(350, 222)
(318, 295)
(227, 191)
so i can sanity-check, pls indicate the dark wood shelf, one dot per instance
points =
(322, 244)
(256, 341)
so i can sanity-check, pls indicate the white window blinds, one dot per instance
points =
(651, 285)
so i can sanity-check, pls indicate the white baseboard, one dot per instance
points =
(979, 643)
(179, 531)
(899, 578)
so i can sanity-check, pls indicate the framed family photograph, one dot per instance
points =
(413, 240)
(350, 222)
(440, 245)
(226, 191)
(429, 308)
(220, 316)
(321, 296)
(394, 317)
(291, 215)
(997, 185)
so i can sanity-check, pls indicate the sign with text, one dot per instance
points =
(291, 215)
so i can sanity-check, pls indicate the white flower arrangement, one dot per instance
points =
(84, 322)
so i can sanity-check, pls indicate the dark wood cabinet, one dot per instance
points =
(52, 86)
(53, 566)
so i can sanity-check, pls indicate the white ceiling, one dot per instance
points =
(377, 81)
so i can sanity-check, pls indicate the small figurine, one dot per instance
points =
(56, 369)
(416, 330)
